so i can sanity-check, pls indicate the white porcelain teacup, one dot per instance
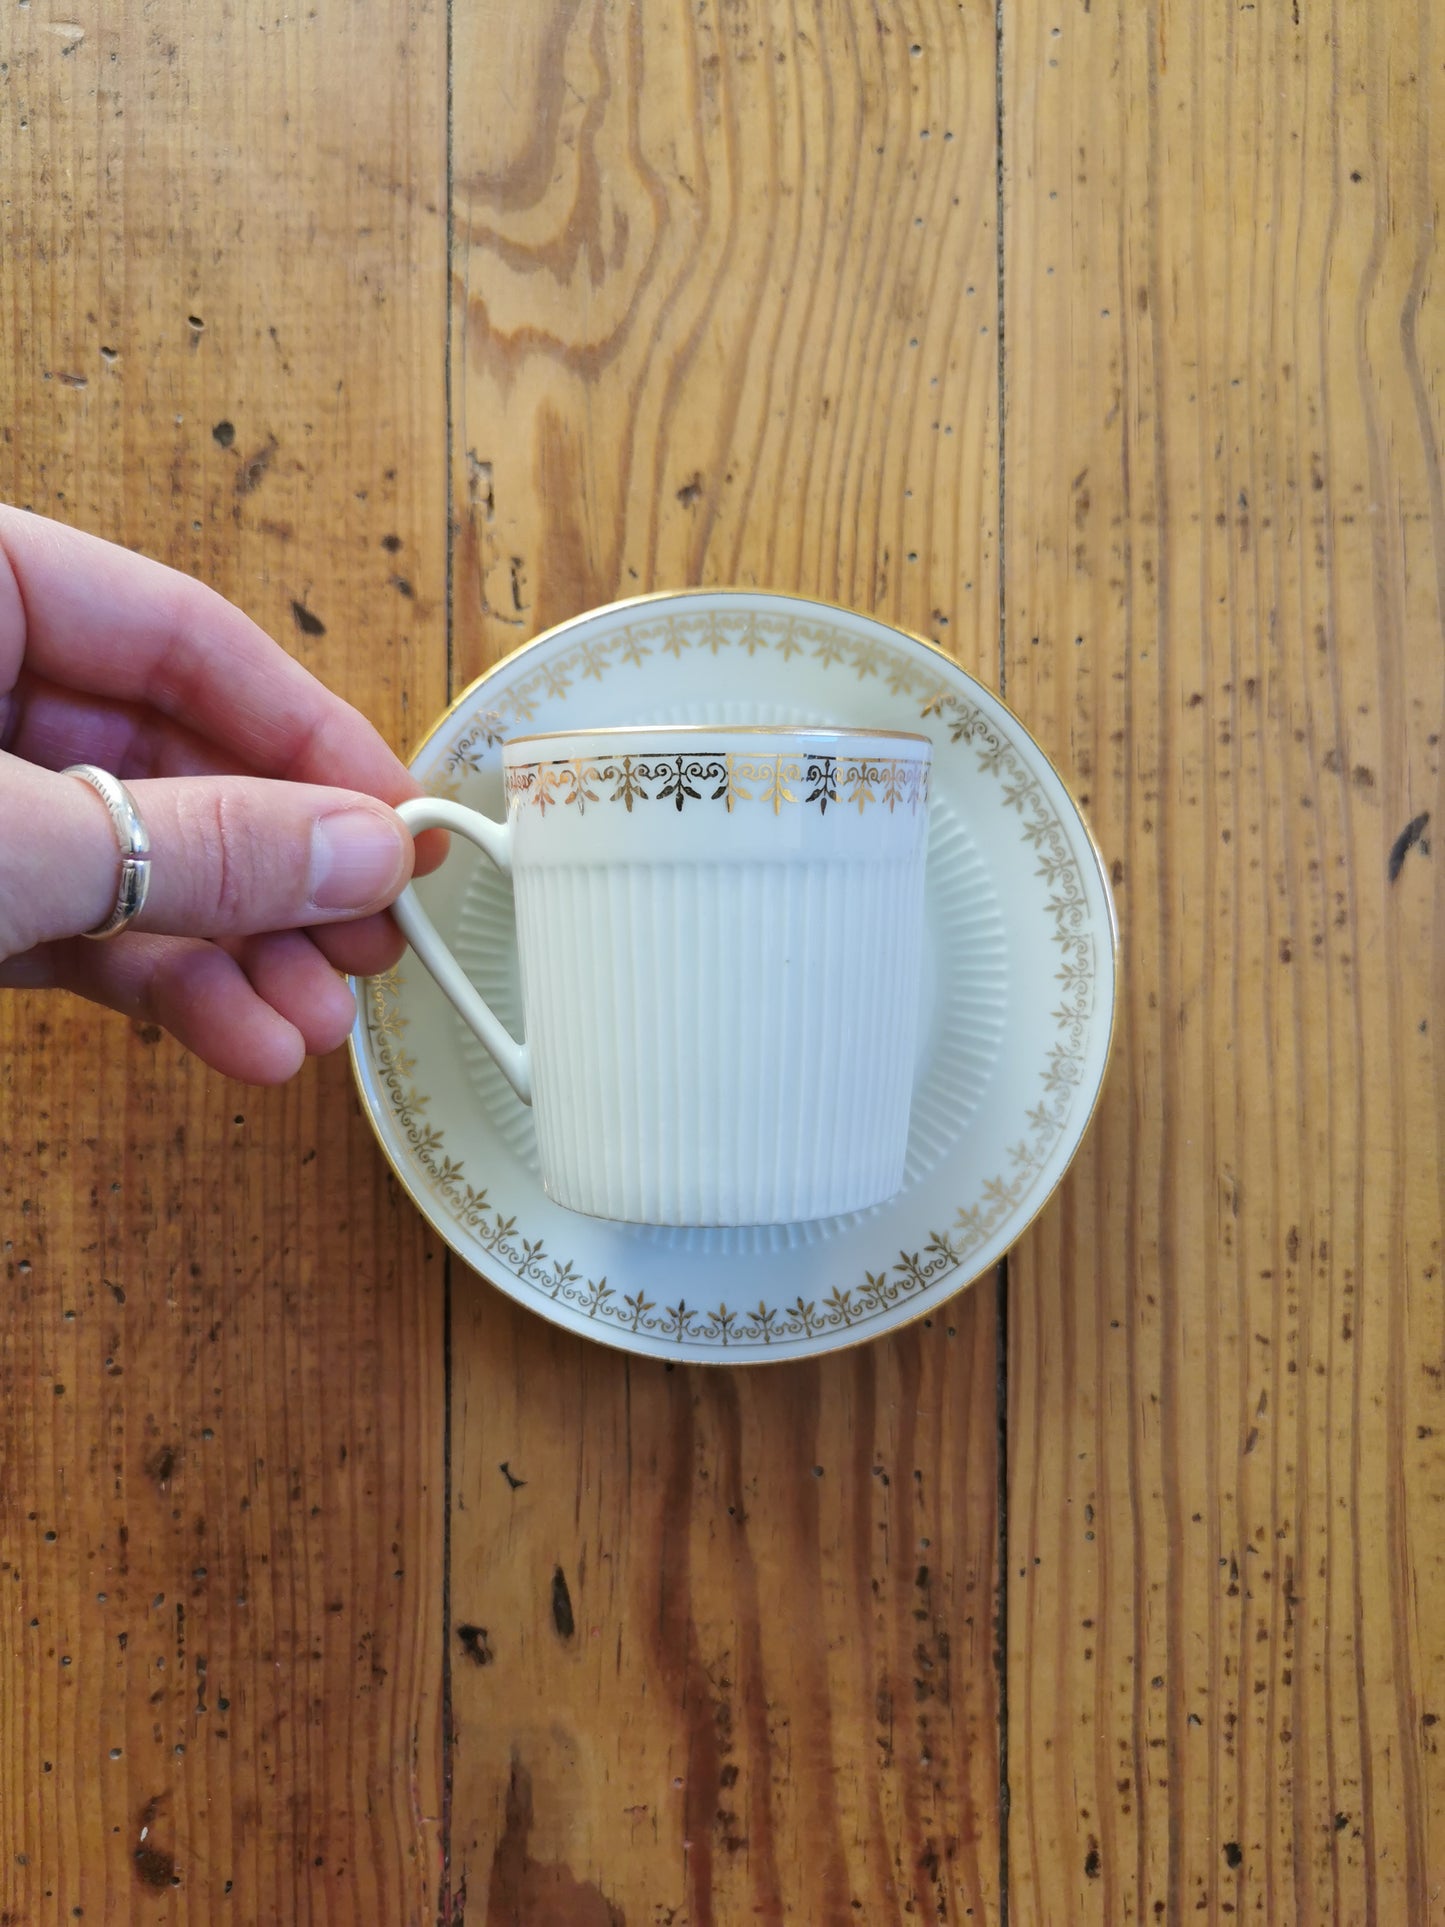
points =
(720, 934)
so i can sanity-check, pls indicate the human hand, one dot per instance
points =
(273, 852)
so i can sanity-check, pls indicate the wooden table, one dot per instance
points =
(1106, 350)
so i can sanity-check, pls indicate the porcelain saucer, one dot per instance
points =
(1019, 992)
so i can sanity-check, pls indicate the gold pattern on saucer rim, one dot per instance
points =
(945, 1252)
(719, 777)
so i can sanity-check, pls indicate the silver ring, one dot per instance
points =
(134, 842)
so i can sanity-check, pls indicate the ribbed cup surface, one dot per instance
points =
(722, 1043)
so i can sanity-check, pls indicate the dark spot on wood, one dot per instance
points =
(1413, 833)
(116, 1291)
(1356, 176)
(690, 490)
(195, 321)
(391, 543)
(1233, 1853)
(474, 1644)
(306, 622)
(109, 354)
(402, 586)
(729, 1775)
(1342, 1820)
(155, 1868)
(252, 472)
(540, 1893)
(562, 1605)
(1362, 778)
(161, 1464)
(224, 433)
(1116, 871)
(1091, 1863)
(510, 1476)
(147, 1033)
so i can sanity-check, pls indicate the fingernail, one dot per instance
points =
(356, 859)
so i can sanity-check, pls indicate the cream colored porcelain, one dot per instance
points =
(719, 933)
(1016, 1000)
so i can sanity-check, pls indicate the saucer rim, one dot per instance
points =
(833, 1340)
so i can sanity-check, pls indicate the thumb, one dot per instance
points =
(230, 856)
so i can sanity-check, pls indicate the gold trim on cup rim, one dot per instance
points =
(833, 731)
(783, 781)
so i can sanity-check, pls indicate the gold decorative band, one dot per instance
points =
(682, 780)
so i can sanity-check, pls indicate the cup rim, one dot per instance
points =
(831, 731)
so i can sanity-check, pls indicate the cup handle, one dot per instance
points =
(494, 840)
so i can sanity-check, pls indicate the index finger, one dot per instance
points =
(92, 617)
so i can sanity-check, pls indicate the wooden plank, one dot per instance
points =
(222, 340)
(1225, 557)
(724, 312)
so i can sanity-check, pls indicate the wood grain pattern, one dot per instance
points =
(222, 329)
(1225, 557)
(724, 311)
(638, 1645)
